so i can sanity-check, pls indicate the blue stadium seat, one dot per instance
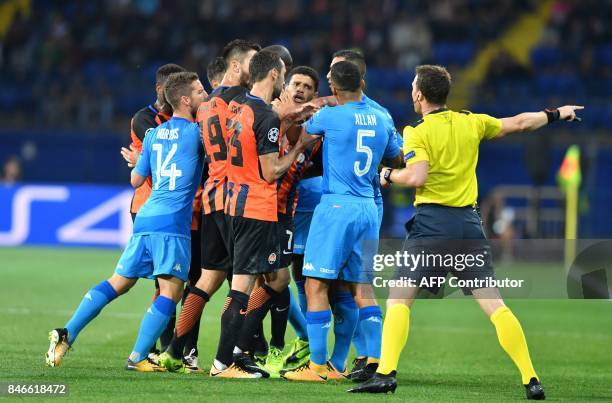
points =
(449, 53)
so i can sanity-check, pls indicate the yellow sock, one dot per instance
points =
(512, 339)
(394, 337)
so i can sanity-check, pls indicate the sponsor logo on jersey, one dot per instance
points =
(308, 267)
(177, 267)
(411, 154)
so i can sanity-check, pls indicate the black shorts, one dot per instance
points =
(215, 241)
(195, 268)
(254, 247)
(285, 234)
(449, 240)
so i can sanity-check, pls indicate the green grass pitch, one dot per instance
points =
(452, 352)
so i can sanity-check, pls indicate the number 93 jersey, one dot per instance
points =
(172, 154)
(356, 139)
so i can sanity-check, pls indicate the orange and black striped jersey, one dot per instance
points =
(143, 121)
(255, 132)
(287, 185)
(214, 116)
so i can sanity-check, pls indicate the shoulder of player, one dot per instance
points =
(375, 105)
(145, 117)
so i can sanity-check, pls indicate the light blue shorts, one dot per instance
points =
(342, 240)
(152, 255)
(301, 227)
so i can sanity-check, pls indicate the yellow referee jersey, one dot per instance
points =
(449, 141)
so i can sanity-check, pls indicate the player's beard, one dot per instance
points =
(416, 106)
(278, 88)
(194, 108)
(244, 79)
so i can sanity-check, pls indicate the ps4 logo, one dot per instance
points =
(75, 214)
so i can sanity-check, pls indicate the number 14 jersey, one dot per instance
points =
(172, 154)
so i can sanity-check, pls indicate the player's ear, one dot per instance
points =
(236, 66)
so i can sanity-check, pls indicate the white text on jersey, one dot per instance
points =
(365, 120)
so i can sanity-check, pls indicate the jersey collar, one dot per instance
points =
(219, 89)
(180, 118)
(438, 111)
(249, 95)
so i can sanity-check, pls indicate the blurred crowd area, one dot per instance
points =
(91, 64)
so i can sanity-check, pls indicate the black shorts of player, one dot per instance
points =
(254, 246)
(285, 234)
(449, 240)
(195, 269)
(215, 241)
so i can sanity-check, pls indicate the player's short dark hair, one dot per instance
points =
(345, 76)
(434, 82)
(354, 56)
(177, 86)
(237, 49)
(215, 69)
(283, 53)
(262, 63)
(306, 71)
(164, 72)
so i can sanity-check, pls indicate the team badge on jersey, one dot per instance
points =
(272, 258)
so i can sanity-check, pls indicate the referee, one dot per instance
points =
(441, 153)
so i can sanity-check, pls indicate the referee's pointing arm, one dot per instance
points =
(445, 143)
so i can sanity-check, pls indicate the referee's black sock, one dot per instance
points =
(259, 304)
(279, 313)
(232, 318)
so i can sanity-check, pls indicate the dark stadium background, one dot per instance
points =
(73, 72)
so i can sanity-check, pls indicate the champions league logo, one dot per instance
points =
(273, 135)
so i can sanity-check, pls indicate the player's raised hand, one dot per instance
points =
(130, 155)
(568, 112)
(306, 139)
(283, 106)
(325, 101)
(305, 112)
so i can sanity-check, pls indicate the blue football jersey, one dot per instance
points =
(356, 138)
(397, 137)
(172, 154)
